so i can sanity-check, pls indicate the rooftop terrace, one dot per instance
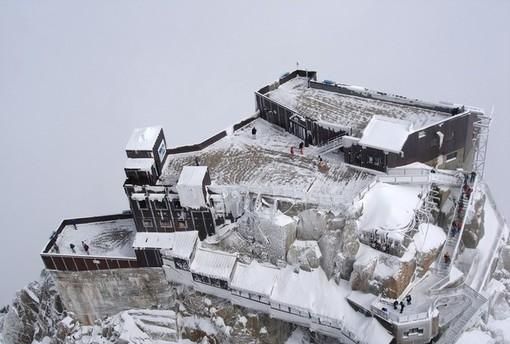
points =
(113, 238)
(346, 110)
(265, 162)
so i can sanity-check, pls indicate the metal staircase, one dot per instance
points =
(331, 145)
(480, 138)
(460, 323)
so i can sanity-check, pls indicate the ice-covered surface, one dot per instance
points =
(143, 139)
(387, 134)
(389, 207)
(190, 186)
(265, 163)
(154, 240)
(183, 244)
(139, 164)
(105, 238)
(254, 277)
(475, 336)
(429, 237)
(496, 232)
(215, 264)
(346, 110)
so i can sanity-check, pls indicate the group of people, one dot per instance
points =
(396, 304)
(83, 244)
(457, 222)
(301, 147)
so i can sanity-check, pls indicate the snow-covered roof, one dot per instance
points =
(390, 207)
(153, 240)
(139, 164)
(313, 292)
(175, 244)
(264, 164)
(138, 196)
(184, 244)
(143, 139)
(429, 237)
(156, 197)
(192, 175)
(387, 134)
(254, 277)
(105, 238)
(213, 264)
(346, 110)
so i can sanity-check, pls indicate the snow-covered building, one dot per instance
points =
(267, 215)
(381, 130)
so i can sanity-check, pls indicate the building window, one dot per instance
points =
(160, 204)
(422, 134)
(165, 224)
(451, 157)
(413, 332)
(181, 224)
(142, 204)
(177, 204)
(181, 264)
(148, 223)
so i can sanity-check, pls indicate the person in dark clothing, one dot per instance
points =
(447, 258)
(395, 305)
(196, 161)
(473, 176)
(320, 158)
(85, 247)
(55, 247)
(71, 245)
(401, 306)
(408, 299)
(301, 145)
(254, 131)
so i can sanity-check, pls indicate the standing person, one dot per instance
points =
(473, 176)
(301, 145)
(401, 306)
(408, 299)
(254, 132)
(291, 150)
(395, 305)
(71, 245)
(85, 247)
(196, 161)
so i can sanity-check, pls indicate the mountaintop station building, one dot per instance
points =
(310, 145)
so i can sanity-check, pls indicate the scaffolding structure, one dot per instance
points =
(481, 138)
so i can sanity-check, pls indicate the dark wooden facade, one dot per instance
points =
(421, 146)
(311, 132)
(168, 215)
(149, 257)
(71, 262)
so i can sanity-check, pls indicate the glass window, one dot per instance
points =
(142, 204)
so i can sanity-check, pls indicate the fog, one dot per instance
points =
(77, 77)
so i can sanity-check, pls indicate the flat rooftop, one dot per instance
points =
(346, 110)
(113, 238)
(265, 163)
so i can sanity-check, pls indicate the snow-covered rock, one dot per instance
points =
(305, 254)
(312, 224)
(339, 246)
(428, 242)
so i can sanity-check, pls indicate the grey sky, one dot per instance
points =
(77, 77)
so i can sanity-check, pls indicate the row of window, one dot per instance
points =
(143, 205)
(210, 281)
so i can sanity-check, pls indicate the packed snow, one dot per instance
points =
(214, 264)
(429, 237)
(387, 134)
(390, 207)
(254, 277)
(264, 164)
(143, 139)
(106, 238)
(191, 186)
(141, 164)
(349, 111)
